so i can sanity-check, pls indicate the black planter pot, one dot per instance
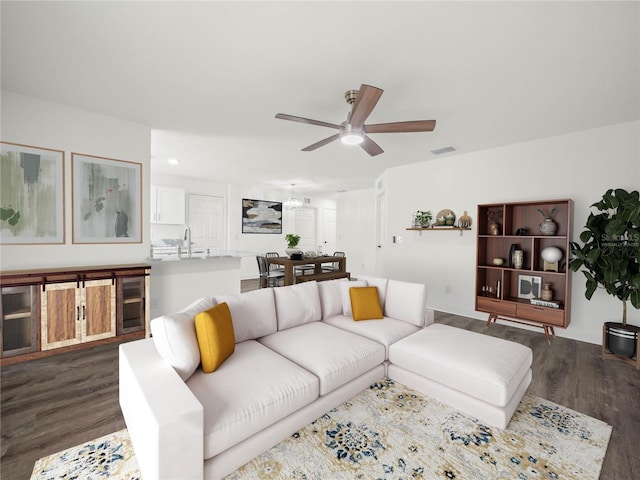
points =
(621, 339)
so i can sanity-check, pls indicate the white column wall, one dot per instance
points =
(581, 166)
(38, 123)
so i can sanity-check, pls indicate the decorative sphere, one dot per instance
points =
(551, 254)
(498, 261)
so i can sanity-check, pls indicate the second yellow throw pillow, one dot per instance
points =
(216, 339)
(365, 303)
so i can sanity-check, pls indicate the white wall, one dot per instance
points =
(34, 122)
(356, 230)
(581, 166)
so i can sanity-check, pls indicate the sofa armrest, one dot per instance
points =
(163, 417)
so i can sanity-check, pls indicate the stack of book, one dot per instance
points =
(546, 303)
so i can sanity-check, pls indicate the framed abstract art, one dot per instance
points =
(31, 195)
(261, 216)
(107, 200)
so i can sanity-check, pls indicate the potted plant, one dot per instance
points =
(609, 258)
(292, 242)
(548, 226)
(423, 218)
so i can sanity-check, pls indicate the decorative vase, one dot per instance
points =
(292, 251)
(512, 250)
(548, 227)
(441, 221)
(464, 221)
(547, 292)
(518, 259)
(449, 219)
(493, 227)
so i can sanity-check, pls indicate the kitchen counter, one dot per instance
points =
(178, 282)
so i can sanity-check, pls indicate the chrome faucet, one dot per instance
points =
(187, 238)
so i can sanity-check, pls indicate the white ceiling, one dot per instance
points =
(208, 77)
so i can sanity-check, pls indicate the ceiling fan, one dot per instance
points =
(353, 131)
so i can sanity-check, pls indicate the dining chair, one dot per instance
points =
(272, 266)
(267, 277)
(335, 266)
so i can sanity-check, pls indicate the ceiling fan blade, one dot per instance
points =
(371, 147)
(401, 127)
(366, 100)
(284, 116)
(321, 143)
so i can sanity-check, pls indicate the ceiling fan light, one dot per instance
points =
(352, 138)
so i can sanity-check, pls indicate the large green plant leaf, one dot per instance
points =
(610, 252)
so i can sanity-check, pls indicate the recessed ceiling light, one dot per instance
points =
(173, 161)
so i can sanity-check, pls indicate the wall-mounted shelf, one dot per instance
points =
(433, 229)
(437, 228)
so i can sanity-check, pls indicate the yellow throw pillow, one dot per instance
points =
(365, 303)
(216, 339)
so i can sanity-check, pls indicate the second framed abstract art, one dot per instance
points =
(106, 199)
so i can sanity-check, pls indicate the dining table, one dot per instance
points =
(318, 273)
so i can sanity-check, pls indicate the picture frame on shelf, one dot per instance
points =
(32, 195)
(107, 200)
(529, 286)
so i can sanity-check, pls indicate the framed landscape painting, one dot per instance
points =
(31, 195)
(261, 216)
(107, 200)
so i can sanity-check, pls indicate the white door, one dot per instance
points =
(381, 228)
(329, 231)
(306, 228)
(206, 220)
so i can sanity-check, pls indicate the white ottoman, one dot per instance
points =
(480, 375)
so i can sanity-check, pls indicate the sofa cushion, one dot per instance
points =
(386, 331)
(463, 361)
(330, 299)
(381, 283)
(406, 301)
(253, 389)
(365, 303)
(253, 313)
(175, 337)
(331, 354)
(297, 304)
(214, 330)
(346, 298)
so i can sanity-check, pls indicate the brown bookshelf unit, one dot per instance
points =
(512, 292)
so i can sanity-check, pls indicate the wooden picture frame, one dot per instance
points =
(106, 200)
(32, 194)
(261, 216)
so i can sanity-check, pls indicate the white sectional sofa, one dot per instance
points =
(298, 354)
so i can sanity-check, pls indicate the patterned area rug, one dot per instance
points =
(392, 432)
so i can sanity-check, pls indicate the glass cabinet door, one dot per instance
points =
(131, 304)
(19, 320)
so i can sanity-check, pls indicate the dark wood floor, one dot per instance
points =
(54, 403)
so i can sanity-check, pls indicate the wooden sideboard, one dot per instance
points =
(48, 311)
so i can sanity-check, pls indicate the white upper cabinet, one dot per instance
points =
(167, 205)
